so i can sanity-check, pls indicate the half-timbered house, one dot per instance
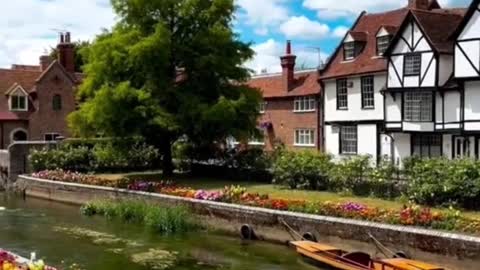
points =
(422, 103)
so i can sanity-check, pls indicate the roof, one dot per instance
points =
(26, 78)
(271, 86)
(358, 36)
(9, 116)
(438, 25)
(367, 61)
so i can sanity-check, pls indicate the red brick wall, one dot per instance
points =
(45, 119)
(280, 113)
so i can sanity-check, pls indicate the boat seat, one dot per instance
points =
(359, 257)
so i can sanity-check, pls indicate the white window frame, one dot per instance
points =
(304, 104)
(349, 50)
(342, 94)
(382, 44)
(412, 64)
(263, 107)
(348, 140)
(54, 136)
(304, 137)
(418, 106)
(18, 93)
(368, 92)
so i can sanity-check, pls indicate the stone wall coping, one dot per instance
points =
(315, 218)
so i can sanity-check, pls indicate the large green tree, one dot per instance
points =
(167, 69)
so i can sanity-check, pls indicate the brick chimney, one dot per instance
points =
(419, 4)
(45, 61)
(66, 53)
(288, 67)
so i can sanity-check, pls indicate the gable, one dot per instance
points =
(57, 73)
(472, 27)
(411, 39)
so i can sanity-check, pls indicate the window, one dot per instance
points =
(263, 107)
(382, 44)
(349, 50)
(51, 137)
(305, 137)
(412, 64)
(342, 94)
(304, 104)
(368, 97)
(418, 107)
(348, 140)
(57, 103)
(426, 145)
(18, 102)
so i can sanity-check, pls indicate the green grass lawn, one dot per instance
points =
(273, 191)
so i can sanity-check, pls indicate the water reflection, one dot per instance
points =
(59, 234)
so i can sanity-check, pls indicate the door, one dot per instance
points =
(462, 147)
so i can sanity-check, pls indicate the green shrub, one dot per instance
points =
(445, 182)
(307, 169)
(100, 157)
(351, 175)
(383, 181)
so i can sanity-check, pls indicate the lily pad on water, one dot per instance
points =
(156, 259)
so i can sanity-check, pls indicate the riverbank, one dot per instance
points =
(418, 242)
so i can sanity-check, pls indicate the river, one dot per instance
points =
(68, 240)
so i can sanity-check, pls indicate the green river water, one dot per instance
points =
(61, 235)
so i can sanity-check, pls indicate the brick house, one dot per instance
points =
(290, 113)
(35, 100)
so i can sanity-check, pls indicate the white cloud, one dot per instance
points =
(263, 14)
(329, 9)
(23, 38)
(334, 14)
(340, 31)
(268, 56)
(303, 28)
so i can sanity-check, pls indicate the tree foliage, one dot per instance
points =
(168, 68)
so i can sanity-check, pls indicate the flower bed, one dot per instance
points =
(409, 215)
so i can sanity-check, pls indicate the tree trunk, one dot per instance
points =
(167, 158)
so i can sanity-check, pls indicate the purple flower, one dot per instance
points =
(353, 207)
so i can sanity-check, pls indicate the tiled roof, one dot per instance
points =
(359, 36)
(367, 61)
(9, 116)
(26, 78)
(438, 25)
(271, 86)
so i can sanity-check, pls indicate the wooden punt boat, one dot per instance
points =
(340, 259)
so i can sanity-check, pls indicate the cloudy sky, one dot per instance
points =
(28, 27)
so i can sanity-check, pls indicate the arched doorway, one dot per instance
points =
(19, 135)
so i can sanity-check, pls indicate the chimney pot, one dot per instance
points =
(67, 37)
(289, 47)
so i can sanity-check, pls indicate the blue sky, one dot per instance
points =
(313, 26)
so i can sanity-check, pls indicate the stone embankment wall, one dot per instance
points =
(268, 223)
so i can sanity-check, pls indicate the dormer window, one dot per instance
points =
(382, 44)
(18, 99)
(349, 50)
(354, 44)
